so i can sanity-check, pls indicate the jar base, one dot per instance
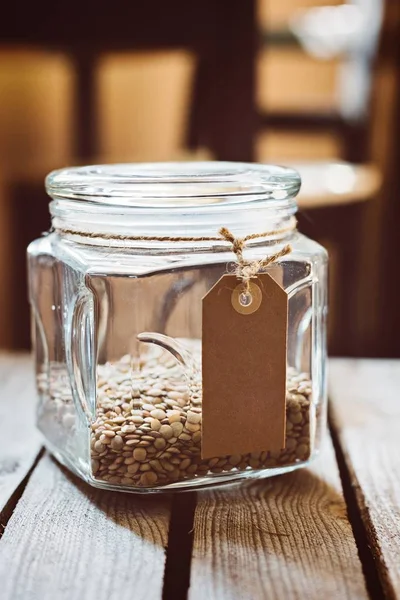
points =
(214, 481)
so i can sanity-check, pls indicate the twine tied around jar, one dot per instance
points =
(246, 269)
(167, 238)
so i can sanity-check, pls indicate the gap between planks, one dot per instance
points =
(9, 506)
(369, 567)
(365, 413)
(180, 546)
(20, 442)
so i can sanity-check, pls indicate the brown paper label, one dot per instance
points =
(244, 367)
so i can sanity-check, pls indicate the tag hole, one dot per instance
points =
(245, 299)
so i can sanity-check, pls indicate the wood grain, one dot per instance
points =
(19, 440)
(365, 412)
(67, 541)
(286, 537)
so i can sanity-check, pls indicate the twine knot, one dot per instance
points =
(246, 269)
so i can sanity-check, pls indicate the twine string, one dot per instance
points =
(167, 238)
(246, 269)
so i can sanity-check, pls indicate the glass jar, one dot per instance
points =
(116, 294)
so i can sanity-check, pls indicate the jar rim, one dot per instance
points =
(171, 185)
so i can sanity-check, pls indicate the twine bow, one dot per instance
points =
(246, 269)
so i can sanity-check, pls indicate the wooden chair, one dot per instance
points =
(222, 35)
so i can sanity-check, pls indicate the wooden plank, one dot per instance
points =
(19, 440)
(65, 539)
(366, 415)
(68, 541)
(284, 537)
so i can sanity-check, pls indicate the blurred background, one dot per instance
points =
(286, 81)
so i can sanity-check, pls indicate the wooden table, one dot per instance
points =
(331, 531)
(335, 183)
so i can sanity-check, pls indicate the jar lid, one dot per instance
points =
(173, 184)
(188, 198)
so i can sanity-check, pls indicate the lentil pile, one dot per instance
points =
(147, 430)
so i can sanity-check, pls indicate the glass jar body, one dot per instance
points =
(114, 402)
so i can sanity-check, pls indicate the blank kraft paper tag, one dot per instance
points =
(244, 368)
